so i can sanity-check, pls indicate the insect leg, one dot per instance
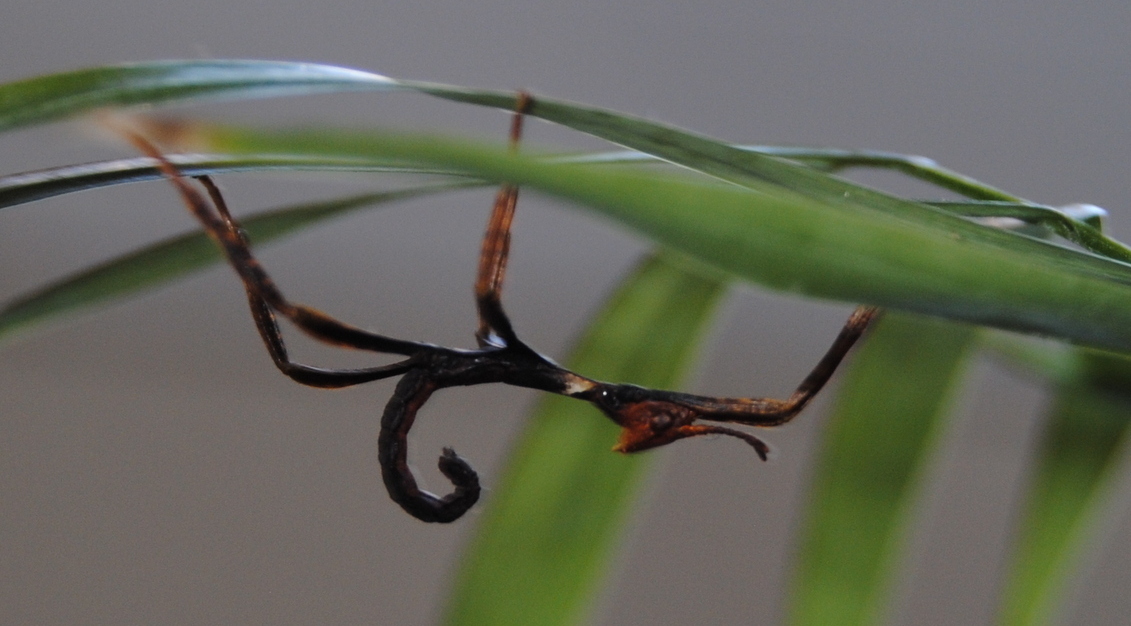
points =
(771, 412)
(263, 295)
(494, 325)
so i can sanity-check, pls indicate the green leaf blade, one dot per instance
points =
(943, 266)
(550, 529)
(17, 189)
(1076, 461)
(57, 96)
(894, 392)
(808, 232)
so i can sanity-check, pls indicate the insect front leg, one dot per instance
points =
(264, 297)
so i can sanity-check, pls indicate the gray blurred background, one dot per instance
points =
(155, 468)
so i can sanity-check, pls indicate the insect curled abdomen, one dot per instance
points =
(412, 392)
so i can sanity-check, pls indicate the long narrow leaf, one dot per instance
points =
(548, 533)
(16, 189)
(1079, 450)
(171, 259)
(835, 160)
(867, 245)
(789, 241)
(895, 392)
(49, 98)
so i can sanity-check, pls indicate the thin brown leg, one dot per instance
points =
(651, 418)
(263, 295)
(268, 327)
(494, 326)
(771, 412)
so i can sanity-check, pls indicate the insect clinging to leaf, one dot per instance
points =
(648, 418)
